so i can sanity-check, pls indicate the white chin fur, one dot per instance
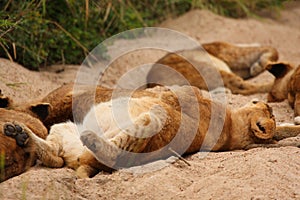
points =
(297, 120)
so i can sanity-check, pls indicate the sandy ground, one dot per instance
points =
(255, 174)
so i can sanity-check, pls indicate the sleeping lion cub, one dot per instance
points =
(157, 123)
(226, 65)
(286, 86)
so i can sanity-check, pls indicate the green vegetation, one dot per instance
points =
(2, 166)
(35, 33)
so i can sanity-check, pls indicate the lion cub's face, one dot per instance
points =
(261, 119)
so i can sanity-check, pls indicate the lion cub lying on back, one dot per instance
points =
(157, 123)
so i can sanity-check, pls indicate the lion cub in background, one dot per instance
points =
(286, 86)
(225, 65)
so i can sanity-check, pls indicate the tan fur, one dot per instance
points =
(245, 61)
(62, 100)
(241, 129)
(17, 159)
(52, 107)
(59, 105)
(294, 91)
(251, 125)
(233, 63)
(286, 86)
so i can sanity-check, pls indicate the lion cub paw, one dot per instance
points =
(256, 69)
(104, 151)
(17, 132)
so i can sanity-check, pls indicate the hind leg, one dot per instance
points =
(239, 86)
(112, 152)
(89, 165)
(46, 151)
(85, 171)
(260, 65)
(104, 151)
(256, 69)
(132, 138)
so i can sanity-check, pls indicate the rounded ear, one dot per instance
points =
(42, 110)
(4, 101)
(279, 69)
(263, 128)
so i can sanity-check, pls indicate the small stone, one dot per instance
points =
(272, 160)
(297, 120)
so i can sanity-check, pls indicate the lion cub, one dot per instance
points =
(225, 65)
(286, 86)
(155, 123)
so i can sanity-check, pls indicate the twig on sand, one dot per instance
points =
(179, 156)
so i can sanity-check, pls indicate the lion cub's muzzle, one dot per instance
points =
(263, 123)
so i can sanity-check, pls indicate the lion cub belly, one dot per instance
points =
(110, 118)
(125, 123)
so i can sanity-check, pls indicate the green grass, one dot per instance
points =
(15, 85)
(2, 166)
(36, 33)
